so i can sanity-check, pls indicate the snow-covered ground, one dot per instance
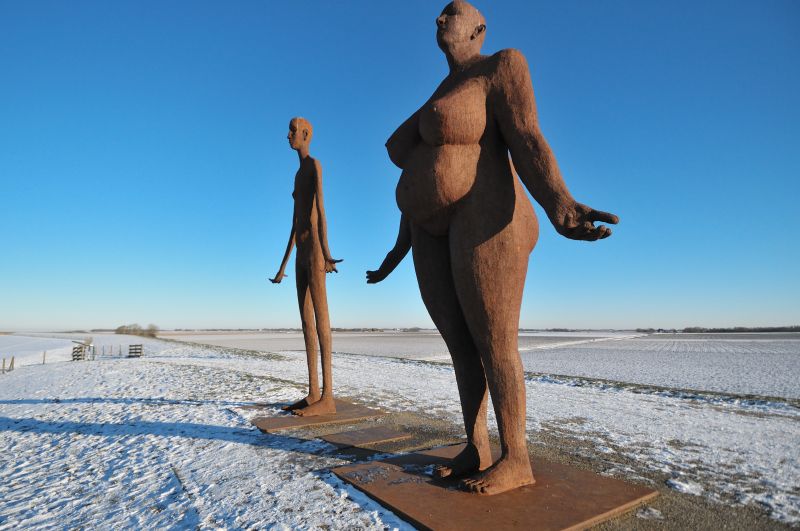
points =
(740, 364)
(36, 348)
(160, 441)
(144, 444)
(420, 345)
(763, 366)
(28, 350)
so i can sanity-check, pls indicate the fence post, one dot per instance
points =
(4, 366)
(11, 367)
(44, 356)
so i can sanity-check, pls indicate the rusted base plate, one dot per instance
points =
(562, 498)
(284, 420)
(365, 437)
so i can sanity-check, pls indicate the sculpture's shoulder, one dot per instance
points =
(312, 166)
(510, 75)
(317, 167)
(509, 62)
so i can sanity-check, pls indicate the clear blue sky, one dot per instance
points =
(145, 176)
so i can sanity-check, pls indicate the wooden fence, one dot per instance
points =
(135, 351)
(81, 352)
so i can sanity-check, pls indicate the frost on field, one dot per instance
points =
(162, 440)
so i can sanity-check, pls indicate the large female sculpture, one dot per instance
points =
(310, 232)
(472, 228)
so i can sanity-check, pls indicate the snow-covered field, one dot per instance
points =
(740, 364)
(28, 350)
(161, 441)
(422, 345)
(763, 366)
(36, 348)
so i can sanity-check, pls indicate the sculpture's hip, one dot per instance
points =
(309, 249)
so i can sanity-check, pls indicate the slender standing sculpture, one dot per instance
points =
(471, 228)
(309, 231)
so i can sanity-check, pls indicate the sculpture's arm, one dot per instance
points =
(286, 255)
(515, 109)
(322, 225)
(395, 256)
(403, 140)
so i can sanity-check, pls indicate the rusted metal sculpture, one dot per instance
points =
(310, 233)
(471, 227)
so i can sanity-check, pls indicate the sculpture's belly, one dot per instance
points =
(434, 180)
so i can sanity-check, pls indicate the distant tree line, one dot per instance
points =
(337, 329)
(136, 330)
(700, 329)
(734, 329)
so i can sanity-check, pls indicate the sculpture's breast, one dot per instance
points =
(457, 117)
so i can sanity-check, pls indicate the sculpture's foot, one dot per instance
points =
(502, 476)
(324, 406)
(469, 461)
(303, 402)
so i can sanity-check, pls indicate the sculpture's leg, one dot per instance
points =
(309, 337)
(432, 264)
(489, 274)
(325, 405)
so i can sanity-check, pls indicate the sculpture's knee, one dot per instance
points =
(307, 324)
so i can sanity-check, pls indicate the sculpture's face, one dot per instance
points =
(298, 136)
(459, 23)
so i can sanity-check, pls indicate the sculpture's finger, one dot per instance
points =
(588, 232)
(572, 233)
(584, 231)
(605, 217)
(598, 233)
(595, 233)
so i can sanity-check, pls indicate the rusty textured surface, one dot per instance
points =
(345, 412)
(310, 233)
(563, 497)
(365, 437)
(470, 226)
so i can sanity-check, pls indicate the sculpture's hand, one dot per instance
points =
(330, 265)
(373, 277)
(578, 223)
(278, 278)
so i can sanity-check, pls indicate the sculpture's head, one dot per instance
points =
(460, 26)
(300, 132)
